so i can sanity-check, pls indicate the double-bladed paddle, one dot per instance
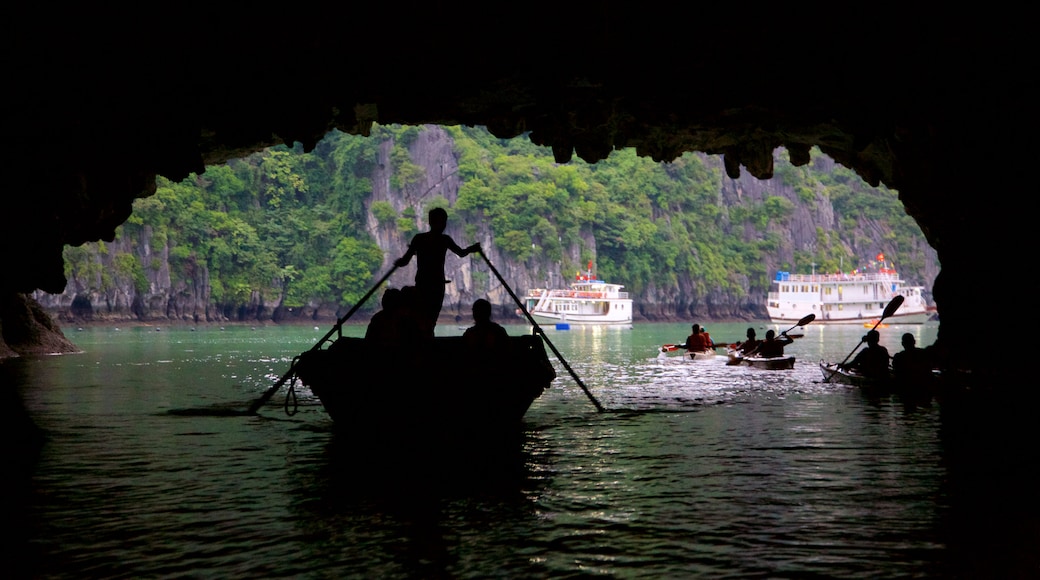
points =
(736, 359)
(889, 311)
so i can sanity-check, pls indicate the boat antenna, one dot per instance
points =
(538, 329)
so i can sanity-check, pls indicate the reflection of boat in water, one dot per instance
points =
(440, 389)
(588, 301)
(853, 298)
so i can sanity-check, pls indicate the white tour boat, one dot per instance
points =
(853, 298)
(588, 301)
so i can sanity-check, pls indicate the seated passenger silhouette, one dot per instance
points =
(912, 366)
(384, 326)
(485, 335)
(872, 361)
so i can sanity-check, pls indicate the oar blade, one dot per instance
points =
(893, 306)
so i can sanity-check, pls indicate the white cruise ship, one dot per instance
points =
(855, 298)
(588, 302)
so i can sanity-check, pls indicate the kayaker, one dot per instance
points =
(430, 248)
(872, 361)
(697, 341)
(772, 346)
(750, 344)
(707, 338)
(912, 366)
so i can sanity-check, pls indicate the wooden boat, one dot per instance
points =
(874, 324)
(439, 390)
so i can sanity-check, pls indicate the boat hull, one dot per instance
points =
(914, 317)
(709, 354)
(580, 320)
(840, 376)
(441, 391)
(772, 363)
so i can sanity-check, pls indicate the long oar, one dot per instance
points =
(339, 324)
(889, 311)
(539, 330)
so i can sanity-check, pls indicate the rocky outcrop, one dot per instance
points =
(27, 329)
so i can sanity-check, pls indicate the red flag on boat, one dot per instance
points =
(590, 265)
(880, 257)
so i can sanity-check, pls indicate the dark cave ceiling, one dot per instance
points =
(939, 104)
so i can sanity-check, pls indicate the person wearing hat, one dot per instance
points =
(872, 361)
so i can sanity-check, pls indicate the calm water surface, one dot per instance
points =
(695, 470)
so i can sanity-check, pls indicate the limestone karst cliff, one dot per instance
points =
(153, 294)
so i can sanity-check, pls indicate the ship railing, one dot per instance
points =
(879, 276)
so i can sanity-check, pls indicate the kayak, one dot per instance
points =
(773, 363)
(707, 354)
(833, 374)
(680, 350)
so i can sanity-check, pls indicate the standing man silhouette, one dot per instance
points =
(429, 248)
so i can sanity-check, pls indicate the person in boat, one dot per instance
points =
(485, 335)
(707, 338)
(383, 327)
(750, 344)
(697, 342)
(772, 346)
(872, 361)
(430, 248)
(912, 366)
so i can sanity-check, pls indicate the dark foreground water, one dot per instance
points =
(695, 470)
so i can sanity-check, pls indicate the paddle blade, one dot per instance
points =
(809, 318)
(893, 306)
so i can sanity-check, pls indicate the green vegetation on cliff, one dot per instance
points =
(285, 227)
